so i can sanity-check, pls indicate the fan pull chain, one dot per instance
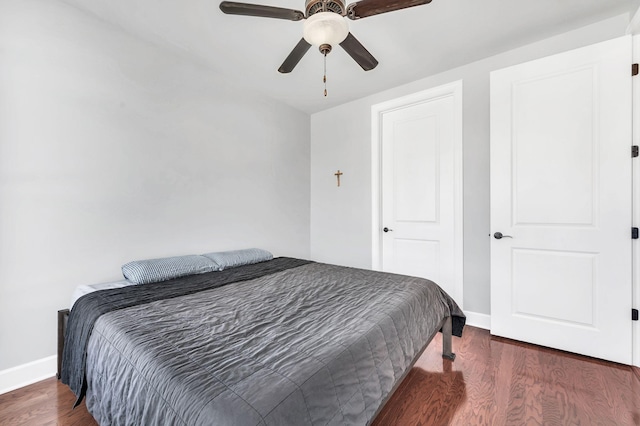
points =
(324, 79)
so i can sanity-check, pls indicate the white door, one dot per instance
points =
(561, 188)
(421, 160)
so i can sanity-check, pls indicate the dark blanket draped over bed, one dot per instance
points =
(280, 342)
(91, 306)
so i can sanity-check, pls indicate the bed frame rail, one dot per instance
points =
(63, 316)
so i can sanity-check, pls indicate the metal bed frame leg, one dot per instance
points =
(446, 340)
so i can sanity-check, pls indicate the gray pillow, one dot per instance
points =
(231, 259)
(155, 270)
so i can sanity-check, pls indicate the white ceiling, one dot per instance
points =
(409, 44)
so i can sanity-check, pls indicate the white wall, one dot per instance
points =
(112, 150)
(341, 139)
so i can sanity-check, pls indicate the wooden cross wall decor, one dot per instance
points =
(337, 175)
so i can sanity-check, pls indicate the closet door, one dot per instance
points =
(561, 198)
(420, 229)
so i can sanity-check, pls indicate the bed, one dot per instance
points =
(284, 341)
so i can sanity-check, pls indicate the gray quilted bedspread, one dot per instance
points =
(315, 344)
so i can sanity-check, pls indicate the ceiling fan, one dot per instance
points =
(325, 25)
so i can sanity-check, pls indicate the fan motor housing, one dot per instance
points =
(315, 6)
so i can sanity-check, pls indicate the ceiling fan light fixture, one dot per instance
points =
(325, 28)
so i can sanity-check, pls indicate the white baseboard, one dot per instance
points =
(475, 319)
(29, 373)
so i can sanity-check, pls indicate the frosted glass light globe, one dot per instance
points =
(325, 28)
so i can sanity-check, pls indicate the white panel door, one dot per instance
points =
(561, 189)
(418, 191)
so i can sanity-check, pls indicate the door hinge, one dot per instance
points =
(634, 233)
(634, 151)
(634, 314)
(634, 69)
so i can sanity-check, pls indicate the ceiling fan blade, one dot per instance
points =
(294, 57)
(358, 52)
(364, 8)
(233, 8)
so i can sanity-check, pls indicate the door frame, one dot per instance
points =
(453, 90)
(635, 185)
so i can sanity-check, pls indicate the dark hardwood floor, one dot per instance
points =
(493, 381)
(496, 381)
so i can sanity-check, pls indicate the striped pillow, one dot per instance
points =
(155, 270)
(231, 259)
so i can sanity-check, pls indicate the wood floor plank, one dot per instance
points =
(512, 383)
(48, 402)
(493, 381)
